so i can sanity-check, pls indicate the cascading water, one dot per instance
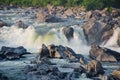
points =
(33, 37)
(38, 33)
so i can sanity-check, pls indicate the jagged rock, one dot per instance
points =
(97, 32)
(68, 32)
(44, 72)
(21, 24)
(94, 68)
(104, 54)
(53, 51)
(12, 53)
(115, 75)
(2, 23)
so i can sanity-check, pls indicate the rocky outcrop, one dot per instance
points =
(94, 68)
(12, 53)
(99, 25)
(97, 32)
(46, 71)
(104, 54)
(2, 23)
(21, 24)
(43, 16)
(68, 32)
(53, 51)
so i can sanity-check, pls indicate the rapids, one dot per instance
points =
(38, 33)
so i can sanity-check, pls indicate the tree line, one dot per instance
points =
(88, 4)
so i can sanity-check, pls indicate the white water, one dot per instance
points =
(38, 33)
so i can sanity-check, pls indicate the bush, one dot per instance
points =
(88, 4)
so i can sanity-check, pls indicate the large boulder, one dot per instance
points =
(94, 68)
(12, 53)
(104, 54)
(68, 32)
(53, 51)
(97, 32)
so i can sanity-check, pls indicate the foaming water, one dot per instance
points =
(38, 33)
(32, 38)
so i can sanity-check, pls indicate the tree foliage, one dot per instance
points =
(88, 4)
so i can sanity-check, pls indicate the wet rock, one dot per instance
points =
(44, 52)
(97, 32)
(68, 32)
(115, 75)
(54, 51)
(94, 68)
(104, 54)
(2, 23)
(44, 72)
(43, 16)
(21, 24)
(12, 53)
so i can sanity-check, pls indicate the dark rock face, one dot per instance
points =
(46, 71)
(12, 53)
(2, 23)
(94, 68)
(104, 54)
(53, 51)
(96, 32)
(21, 24)
(68, 32)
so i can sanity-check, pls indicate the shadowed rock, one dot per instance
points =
(53, 51)
(21, 24)
(94, 68)
(104, 54)
(12, 53)
(68, 32)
